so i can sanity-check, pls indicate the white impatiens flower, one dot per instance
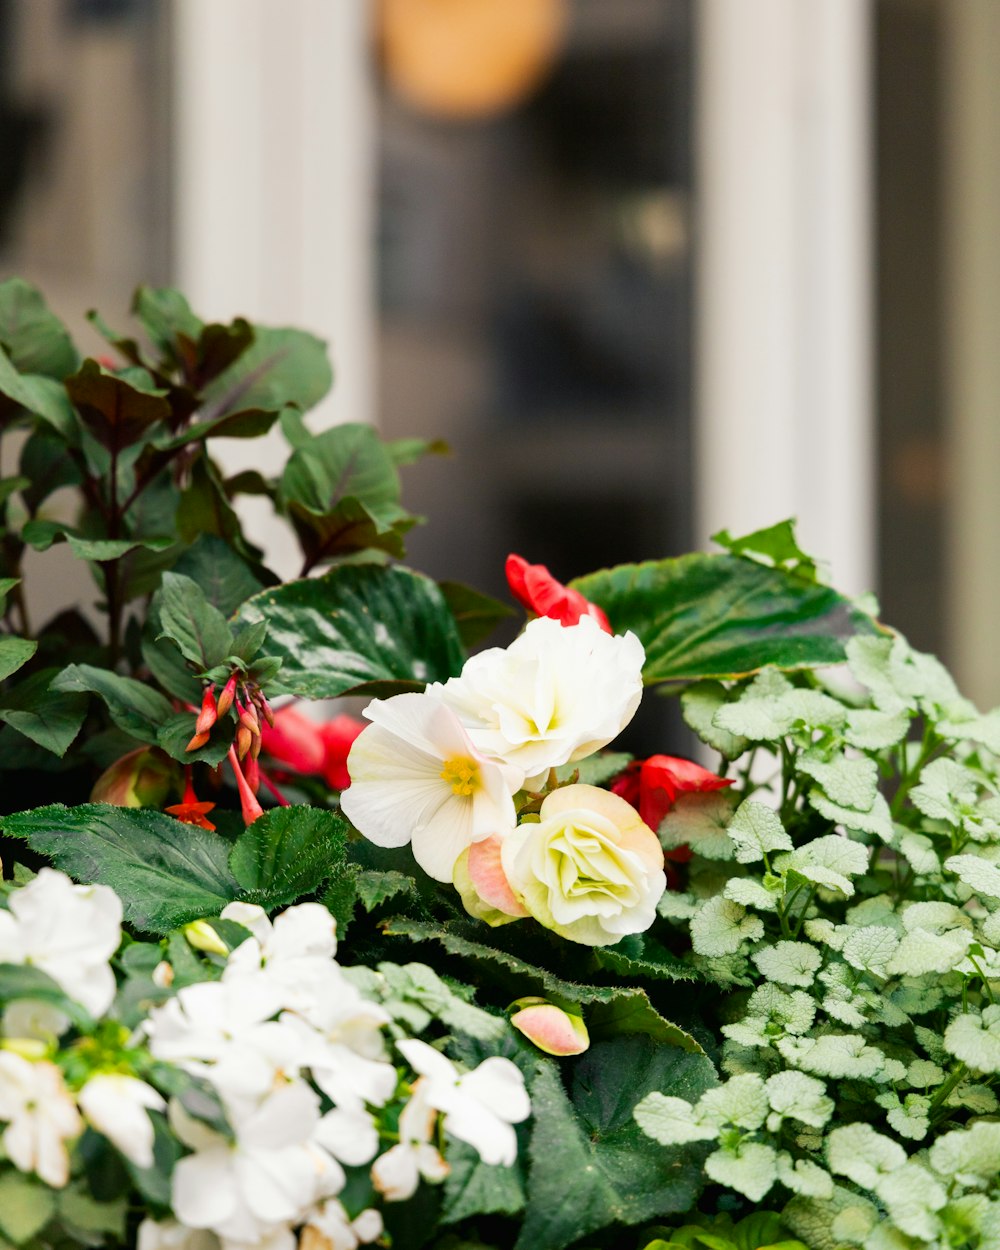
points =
(172, 1235)
(41, 1117)
(117, 1105)
(331, 1228)
(293, 957)
(68, 931)
(555, 695)
(265, 1181)
(589, 869)
(480, 1107)
(417, 777)
(396, 1174)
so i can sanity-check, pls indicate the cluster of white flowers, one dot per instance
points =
(298, 1059)
(440, 770)
(70, 933)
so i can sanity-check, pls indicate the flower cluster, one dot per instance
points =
(295, 1068)
(458, 771)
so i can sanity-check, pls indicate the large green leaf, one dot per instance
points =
(165, 872)
(225, 578)
(134, 707)
(281, 367)
(591, 1165)
(41, 396)
(26, 1206)
(187, 618)
(49, 717)
(610, 1009)
(36, 340)
(476, 1188)
(287, 853)
(15, 652)
(359, 627)
(722, 616)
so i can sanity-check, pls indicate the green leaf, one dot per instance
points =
(225, 578)
(359, 628)
(118, 411)
(21, 981)
(165, 315)
(26, 1206)
(42, 397)
(287, 853)
(197, 627)
(788, 963)
(86, 1218)
(699, 704)
(775, 547)
(14, 653)
(720, 927)
(165, 872)
(591, 1165)
(639, 958)
(476, 1188)
(134, 707)
(476, 615)
(49, 717)
(721, 616)
(34, 338)
(975, 1039)
(757, 830)
(176, 732)
(749, 1167)
(281, 367)
(700, 821)
(612, 1010)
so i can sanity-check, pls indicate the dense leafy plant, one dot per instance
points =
(796, 1043)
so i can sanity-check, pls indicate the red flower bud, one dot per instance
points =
(251, 771)
(197, 742)
(652, 785)
(227, 696)
(534, 587)
(208, 714)
(248, 800)
(243, 739)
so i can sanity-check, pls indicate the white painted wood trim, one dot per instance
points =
(274, 189)
(783, 373)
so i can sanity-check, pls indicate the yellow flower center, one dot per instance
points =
(462, 774)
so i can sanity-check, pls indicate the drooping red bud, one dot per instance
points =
(197, 742)
(248, 800)
(208, 714)
(227, 696)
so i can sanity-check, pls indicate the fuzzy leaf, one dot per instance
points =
(979, 874)
(287, 853)
(722, 926)
(970, 1155)
(795, 1096)
(751, 1168)
(976, 1039)
(869, 729)
(870, 947)
(861, 1154)
(757, 830)
(748, 892)
(790, 963)
(700, 821)
(833, 1054)
(699, 704)
(187, 618)
(165, 872)
(26, 1206)
(476, 1188)
(877, 821)
(850, 782)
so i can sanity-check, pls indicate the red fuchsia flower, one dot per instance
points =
(249, 806)
(535, 589)
(315, 750)
(190, 811)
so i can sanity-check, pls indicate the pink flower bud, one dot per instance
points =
(551, 1029)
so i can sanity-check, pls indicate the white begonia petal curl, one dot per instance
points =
(417, 777)
(117, 1105)
(555, 695)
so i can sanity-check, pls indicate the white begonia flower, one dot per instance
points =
(265, 1181)
(41, 1117)
(396, 1174)
(417, 777)
(331, 1228)
(556, 694)
(68, 931)
(480, 1106)
(117, 1105)
(589, 870)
